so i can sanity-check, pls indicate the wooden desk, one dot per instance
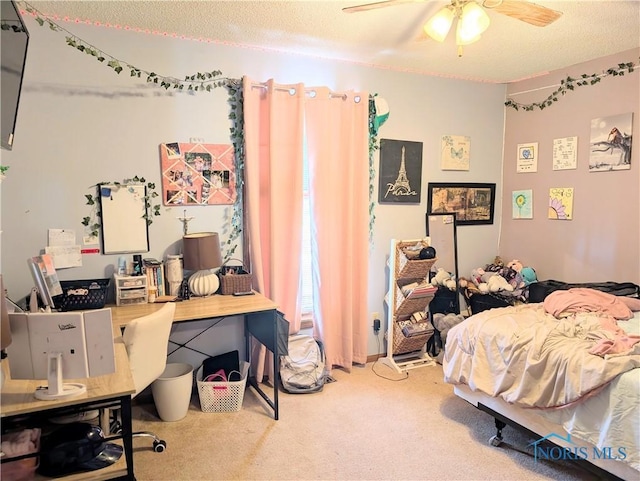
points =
(260, 320)
(113, 390)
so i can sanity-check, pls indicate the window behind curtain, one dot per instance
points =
(305, 281)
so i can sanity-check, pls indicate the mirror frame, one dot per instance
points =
(438, 245)
(123, 212)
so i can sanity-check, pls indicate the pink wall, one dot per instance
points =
(602, 241)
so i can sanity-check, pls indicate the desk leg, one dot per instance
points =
(264, 327)
(127, 434)
(276, 367)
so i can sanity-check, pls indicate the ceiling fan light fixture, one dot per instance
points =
(472, 23)
(439, 25)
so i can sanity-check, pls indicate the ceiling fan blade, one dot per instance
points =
(526, 11)
(374, 5)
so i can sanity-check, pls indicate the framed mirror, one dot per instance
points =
(124, 218)
(441, 230)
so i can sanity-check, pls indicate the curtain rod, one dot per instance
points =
(310, 92)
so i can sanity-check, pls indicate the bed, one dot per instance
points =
(565, 370)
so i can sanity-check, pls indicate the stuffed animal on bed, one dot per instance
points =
(529, 275)
(498, 283)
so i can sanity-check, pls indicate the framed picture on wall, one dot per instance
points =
(472, 203)
(400, 174)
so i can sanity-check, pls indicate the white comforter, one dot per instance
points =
(528, 357)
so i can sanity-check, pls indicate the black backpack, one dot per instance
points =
(538, 291)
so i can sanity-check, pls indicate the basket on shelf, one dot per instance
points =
(403, 344)
(407, 306)
(412, 268)
(82, 294)
(234, 279)
(222, 396)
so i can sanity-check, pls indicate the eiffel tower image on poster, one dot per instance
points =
(401, 186)
(400, 171)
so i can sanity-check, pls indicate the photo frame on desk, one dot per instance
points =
(473, 203)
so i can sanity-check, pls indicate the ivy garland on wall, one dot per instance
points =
(236, 116)
(373, 147)
(200, 81)
(569, 84)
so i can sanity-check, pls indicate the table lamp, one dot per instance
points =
(201, 253)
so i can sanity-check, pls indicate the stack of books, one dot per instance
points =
(154, 271)
(420, 290)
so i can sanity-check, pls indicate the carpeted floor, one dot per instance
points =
(371, 424)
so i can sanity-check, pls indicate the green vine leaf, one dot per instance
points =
(569, 84)
(198, 82)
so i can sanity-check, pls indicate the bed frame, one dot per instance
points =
(537, 426)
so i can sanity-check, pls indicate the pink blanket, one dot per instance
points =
(565, 302)
(581, 299)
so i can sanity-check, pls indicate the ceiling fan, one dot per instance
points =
(471, 16)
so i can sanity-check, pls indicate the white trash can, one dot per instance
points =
(172, 391)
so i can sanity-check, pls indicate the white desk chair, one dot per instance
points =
(146, 339)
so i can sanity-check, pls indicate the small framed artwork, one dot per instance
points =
(561, 203)
(522, 204)
(610, 143)
(454, 154)
(472, 203)
(197, 174)
(400, 174)
(527, 158)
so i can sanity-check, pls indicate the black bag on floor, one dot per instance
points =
(538, 291)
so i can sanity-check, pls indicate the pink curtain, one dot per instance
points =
(273, 116)
(337, 141)
(337, 144)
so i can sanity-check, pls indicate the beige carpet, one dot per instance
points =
(361, 427)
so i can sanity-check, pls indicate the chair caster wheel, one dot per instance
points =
(159, 446)
(495, 440)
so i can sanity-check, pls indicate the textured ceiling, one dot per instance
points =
(389, 37)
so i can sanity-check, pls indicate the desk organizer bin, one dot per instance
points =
(82, 294)
(234, 279)
(222, 396)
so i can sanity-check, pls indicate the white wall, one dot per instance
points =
(80, 124)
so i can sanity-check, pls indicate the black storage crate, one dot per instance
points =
(483, 302)
(82, 294)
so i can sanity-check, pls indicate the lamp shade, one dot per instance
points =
(473, 22)
(201, 251)
(437, 27)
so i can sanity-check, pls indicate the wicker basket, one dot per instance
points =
(412, 268)
(234, 279)
(403, 344)
(405, 307)
(222, 396)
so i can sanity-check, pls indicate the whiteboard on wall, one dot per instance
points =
(124, 224)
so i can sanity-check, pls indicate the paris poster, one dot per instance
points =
(400, 173)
